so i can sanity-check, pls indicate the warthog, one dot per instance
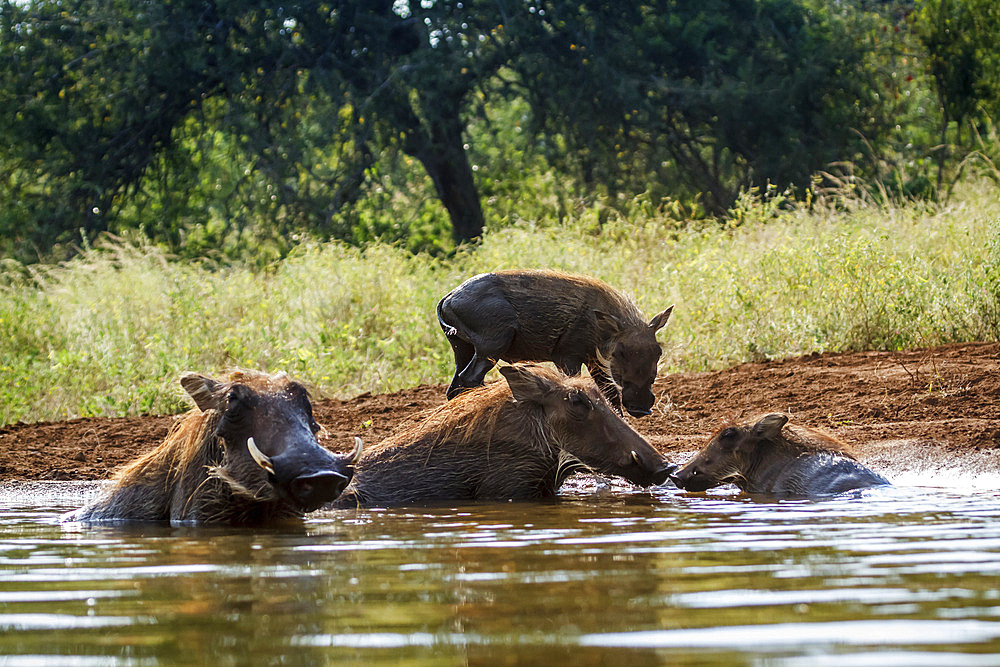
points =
(513, 440)
(764, 458)
(247, 455)
(567, 319)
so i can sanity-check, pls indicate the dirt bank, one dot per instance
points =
(902, 410)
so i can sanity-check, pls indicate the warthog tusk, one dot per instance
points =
(259, 457)
(358, 448)
(635, 457)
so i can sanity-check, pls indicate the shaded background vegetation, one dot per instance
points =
(189, 184)
(109, 332)
(238, 129)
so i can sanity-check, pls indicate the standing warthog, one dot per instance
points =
(763, 458)
(567, 319)
(518, 439)
(247, 455)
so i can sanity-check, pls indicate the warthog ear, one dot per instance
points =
(659, 321)
(525, 385)
(770, 425)
(203, 390)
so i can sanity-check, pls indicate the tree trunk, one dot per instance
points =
(440, 150)
(943, 152)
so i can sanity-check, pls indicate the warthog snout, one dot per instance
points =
(312, 491)
(637, 410)
(308, 474)
(637, 401)
(248, 455)
(647, 467)
(664, 473)
(691, 479)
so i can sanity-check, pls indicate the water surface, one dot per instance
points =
(604, 575)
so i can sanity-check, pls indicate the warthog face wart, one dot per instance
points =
(584, 425)
(570, 320)
(513, 440)
(248, 455)
(272, 435)
(635, 355)
(764, 457)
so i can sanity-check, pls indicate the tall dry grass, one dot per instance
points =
(109, 333)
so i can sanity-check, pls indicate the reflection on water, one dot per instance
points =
(887, 576)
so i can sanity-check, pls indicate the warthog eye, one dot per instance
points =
(296, 390)
(234, 399)
(729, 433)
(238, 402)
(580, 403)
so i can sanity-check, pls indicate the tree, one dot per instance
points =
(960, 38)
(710, 96)
(102, 89)
(702, 97)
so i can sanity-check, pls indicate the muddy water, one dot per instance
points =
(908, 576)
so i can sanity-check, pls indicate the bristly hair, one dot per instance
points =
(484, 410)
(610, 300)
(490, 409)
(802, 439)
(623, 305)
(811, 440)
(186, 442)
(259, 381)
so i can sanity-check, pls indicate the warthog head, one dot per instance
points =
(728, 454)
(267, 428)
(584, 425)
(632, 357)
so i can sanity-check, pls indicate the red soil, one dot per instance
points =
(940, 406)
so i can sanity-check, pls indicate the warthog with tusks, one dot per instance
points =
(513, 440)
(247, 455)
(570, 320)
(765, 457)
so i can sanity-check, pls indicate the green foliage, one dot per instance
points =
(986, 285)
(233, 121)
(96, 98)
(708, 98)
(109, 332)
(236, 130)
(959, 37)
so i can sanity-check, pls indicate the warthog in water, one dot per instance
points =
(567, 319)
(764, 457)
(518, 439)
(247, 455)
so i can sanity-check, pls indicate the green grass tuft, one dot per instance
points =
(108, 333)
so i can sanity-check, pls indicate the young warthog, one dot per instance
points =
(567, 319)
(763, 458)
(518, 439)
(247, 455)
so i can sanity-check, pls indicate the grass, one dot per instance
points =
(108, 333)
